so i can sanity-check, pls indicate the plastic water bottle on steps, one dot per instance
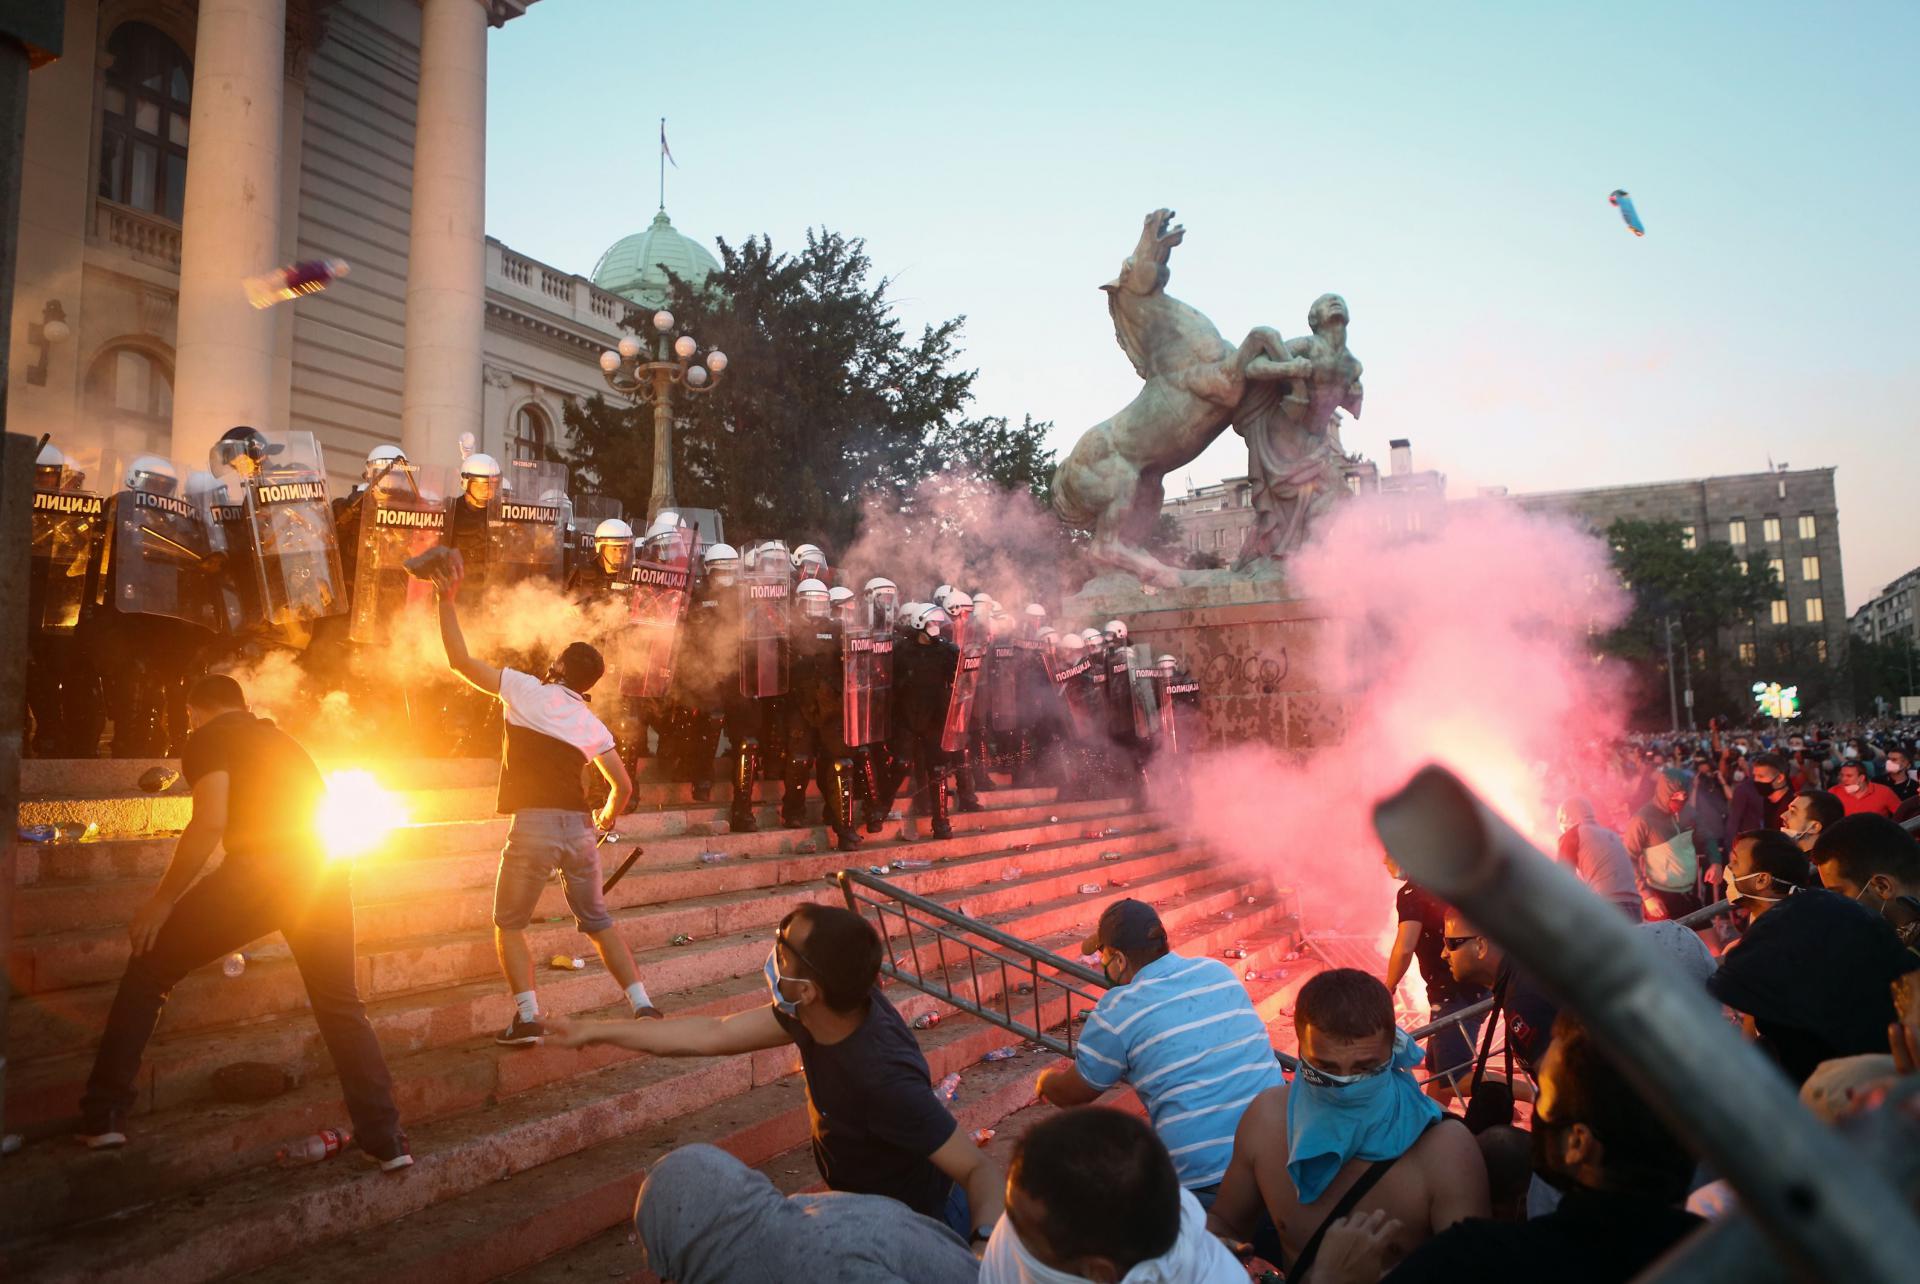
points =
(1091, 889)
(912, 863)
(309, 276)
(1010, 874)
(981, 1136)
(233, 965)
(926, 1021)
(949, 1087)
(1007, 1053)
(712, 858)
(312, 1149)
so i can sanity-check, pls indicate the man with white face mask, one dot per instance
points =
(878, 1129)
(1353, 1133)
(1092, 1197)
(1861, 796)
(1900, 776)
(1808, 816)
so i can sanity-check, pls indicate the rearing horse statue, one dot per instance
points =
(1112, 480)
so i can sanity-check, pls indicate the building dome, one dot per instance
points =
(636, 266)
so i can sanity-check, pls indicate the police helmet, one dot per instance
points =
(1116, 631)
(941, 594)
(813, 597)
(480, 465)
(956, 602)
(880, 584)
(665, 524)
(612, 529)
(933, 621)
(152, 474)
(50, 457)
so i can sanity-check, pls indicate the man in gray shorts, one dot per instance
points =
(551, 735)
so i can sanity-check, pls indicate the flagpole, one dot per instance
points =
(663, 162)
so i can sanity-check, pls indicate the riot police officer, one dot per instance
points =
(814, 732)
(63, 690)
(467, 520)
(923, 668)
(968, 774)
(716, 686)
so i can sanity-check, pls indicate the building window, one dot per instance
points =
(532, 433)
(1780, 611)
(1747, 656)
(1770, 530)
(1816, 611)
(130, 394)
(1737, 531)
(1810, 568)
(143, 121)
(1779, 568)
(1687, 538)
(1780, 488)
(1807, 526)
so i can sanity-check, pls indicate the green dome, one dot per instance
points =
(636, 266)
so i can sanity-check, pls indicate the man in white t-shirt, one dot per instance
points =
(550, 736)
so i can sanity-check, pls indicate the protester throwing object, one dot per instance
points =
(551, 735)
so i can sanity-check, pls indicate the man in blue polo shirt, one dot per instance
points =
(1182, 1031)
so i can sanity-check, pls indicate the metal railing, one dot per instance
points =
(899, 914)
(1473, 1011)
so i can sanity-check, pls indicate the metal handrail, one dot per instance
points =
(944, 925)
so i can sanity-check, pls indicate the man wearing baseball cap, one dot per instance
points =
(1182, 1031)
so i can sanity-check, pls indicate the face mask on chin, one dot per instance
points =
(791, 1007)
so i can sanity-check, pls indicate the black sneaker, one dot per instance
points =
(742, 822)
(108, 1132)
(400, 1158)
(521, 1034)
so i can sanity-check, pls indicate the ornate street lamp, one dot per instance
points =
(647, 370)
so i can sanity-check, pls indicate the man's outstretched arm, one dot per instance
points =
(444, 568)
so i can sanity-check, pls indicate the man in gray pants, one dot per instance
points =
(551, 735)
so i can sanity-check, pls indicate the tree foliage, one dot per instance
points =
(1710, 601)
(1879, 673)
(827, 399)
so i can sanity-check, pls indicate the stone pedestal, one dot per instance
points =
(1266, 661)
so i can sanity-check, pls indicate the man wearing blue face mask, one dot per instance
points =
(1352, 1132)
(878, 1129)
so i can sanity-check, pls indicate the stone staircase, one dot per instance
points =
(527, 1160)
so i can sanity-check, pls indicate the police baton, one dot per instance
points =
(625, 865)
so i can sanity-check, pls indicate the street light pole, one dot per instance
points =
(647, 370)
(1673, 693)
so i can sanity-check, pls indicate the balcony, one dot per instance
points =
(561, 294)
(147, 237)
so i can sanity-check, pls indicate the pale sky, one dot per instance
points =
(1446, 167)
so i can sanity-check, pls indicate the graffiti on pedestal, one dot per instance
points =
(1245, 673)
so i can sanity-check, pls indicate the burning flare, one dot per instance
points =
(357, 814)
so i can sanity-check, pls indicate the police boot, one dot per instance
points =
(978, 758)
(963, 785)
(746, 769)
(874, 814)
(793, 802)
(840, 805)
(941, 824)
(1022, 760)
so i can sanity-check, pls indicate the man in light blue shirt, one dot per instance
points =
(1182, 1031)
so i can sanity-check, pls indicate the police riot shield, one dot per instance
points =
(157, 559)
(1181, 719)
(866, 657)
(661, 592)
(397, 517)
(1004, 661)
(527, 524)
(280, 534)
(1148, 682)
(966, 687)
(69, 523)
(767, 600)
(1118, 691)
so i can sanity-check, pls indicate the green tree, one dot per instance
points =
(1708, 598)
(827, 400)
(1882, 672)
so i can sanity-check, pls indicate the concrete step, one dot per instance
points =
(44, 1091)
(47, 907)
(561, 1207)
(61, 959)
(134, 814)
(188, 1147)
(264, 1214)
(146, 856)
(55, 777)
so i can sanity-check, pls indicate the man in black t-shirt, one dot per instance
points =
(877, 1129)
(1529, 1013)
(1419, 936)
(256, 791)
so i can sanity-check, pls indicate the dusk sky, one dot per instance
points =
(1444, 167)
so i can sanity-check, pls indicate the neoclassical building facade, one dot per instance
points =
(178, 148)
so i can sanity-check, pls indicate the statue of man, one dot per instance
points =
(1294, 455)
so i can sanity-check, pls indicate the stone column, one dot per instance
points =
(446, 246)
(230, 224)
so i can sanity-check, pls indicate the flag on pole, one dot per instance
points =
(665, 150)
